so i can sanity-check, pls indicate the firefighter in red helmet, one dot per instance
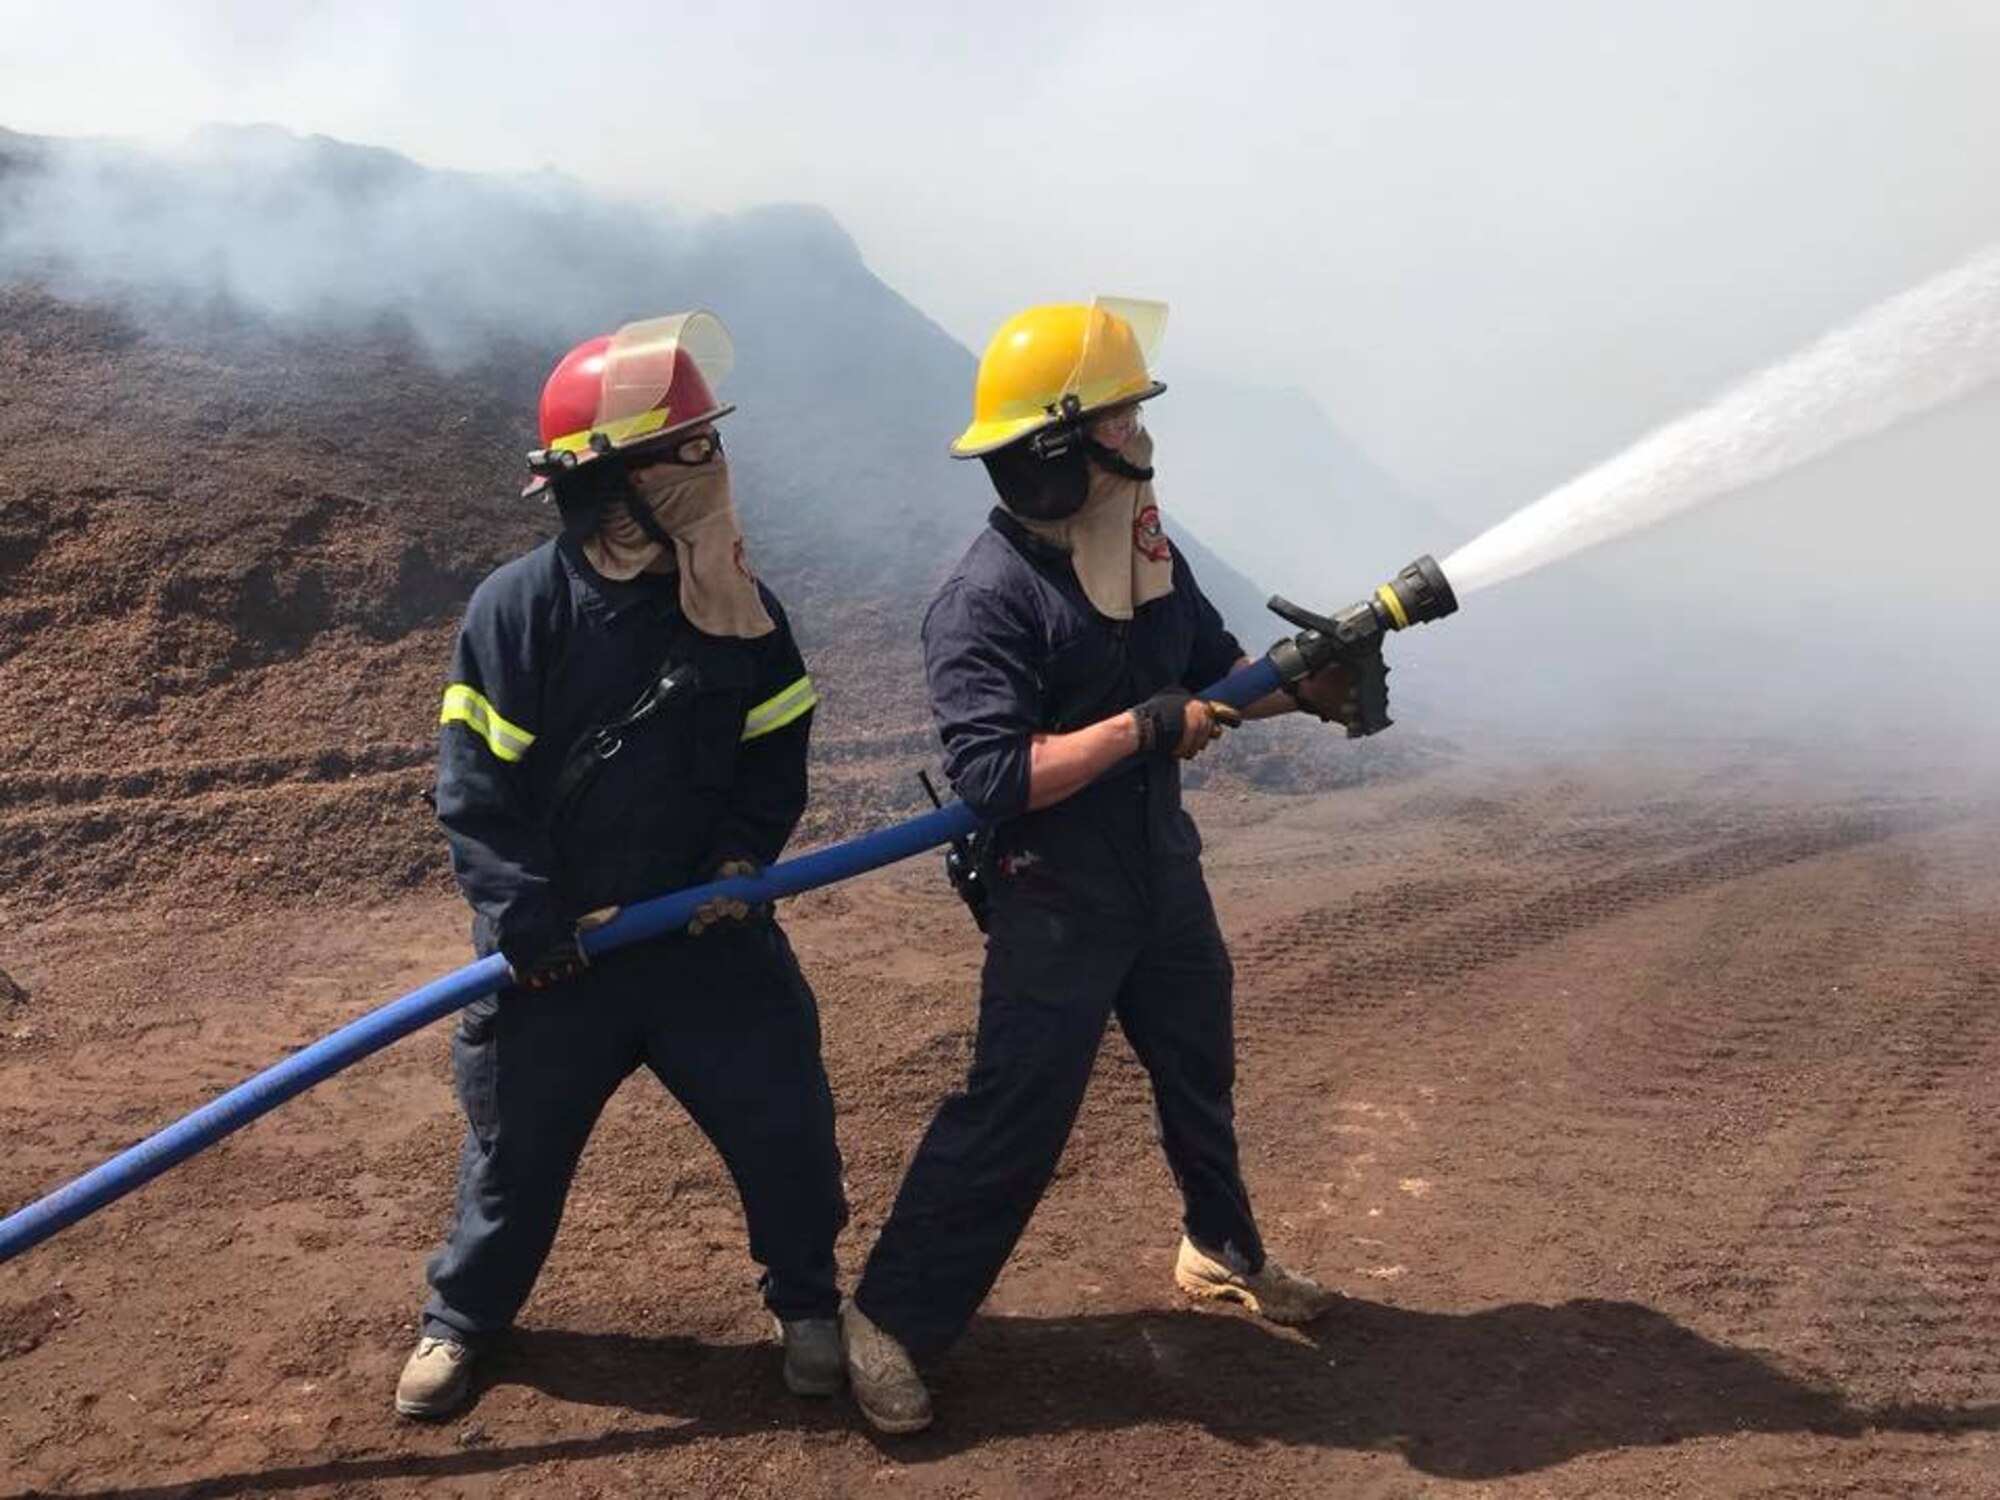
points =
(628, 715)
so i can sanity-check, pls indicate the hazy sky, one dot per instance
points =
(1495, 239)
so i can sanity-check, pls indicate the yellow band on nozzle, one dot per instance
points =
(1387, 594)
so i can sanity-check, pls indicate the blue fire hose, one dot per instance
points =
(140, 1164)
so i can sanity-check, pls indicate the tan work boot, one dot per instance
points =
(887, 1387)
(1275, 1293)
(436, 1379)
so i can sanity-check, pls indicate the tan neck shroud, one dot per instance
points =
(1115, 541)
(694, 507)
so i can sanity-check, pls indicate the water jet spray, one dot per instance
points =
(1918, 351)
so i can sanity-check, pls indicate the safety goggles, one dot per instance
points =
(1114, 429)
(1106, 429)
(690, 452)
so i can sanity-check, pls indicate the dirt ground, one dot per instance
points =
(1647, 1118)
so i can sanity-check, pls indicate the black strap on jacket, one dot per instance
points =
(595, 746)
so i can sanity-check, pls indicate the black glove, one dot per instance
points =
(1162, 720)
(539, 961)
(1164, 728)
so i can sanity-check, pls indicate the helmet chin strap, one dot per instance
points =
(642, 515)
(1045, 478)
(1112, 460)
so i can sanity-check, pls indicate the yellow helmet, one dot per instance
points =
(1057, 363)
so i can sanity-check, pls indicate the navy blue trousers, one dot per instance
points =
(728, 1024)
(1090, 917)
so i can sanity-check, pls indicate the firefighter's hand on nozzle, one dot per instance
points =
(539, 963)
(1173, 724)
(1327, 694)
(723, 908)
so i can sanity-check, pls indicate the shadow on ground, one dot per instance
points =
(1464, 1396)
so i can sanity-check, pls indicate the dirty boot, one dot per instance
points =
(814, 1363)
(886, 1385)
(436, 1379)
(1274, 1293)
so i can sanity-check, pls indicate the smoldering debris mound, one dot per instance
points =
(223, 603)
(241, 512)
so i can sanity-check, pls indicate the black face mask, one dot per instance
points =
(583, 493)
(1040, 489)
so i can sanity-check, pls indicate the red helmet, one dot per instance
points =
(621, 391)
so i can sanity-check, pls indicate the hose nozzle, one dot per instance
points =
(1417, 595)
(1353, 637)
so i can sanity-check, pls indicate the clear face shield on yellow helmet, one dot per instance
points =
(1121, 341)
(1111, 375)
(1048, 367)
(1058, 400)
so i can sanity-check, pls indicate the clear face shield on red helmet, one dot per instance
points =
(654, 379)
(647, 385)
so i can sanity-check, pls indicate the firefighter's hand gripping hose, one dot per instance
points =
(1352, 637)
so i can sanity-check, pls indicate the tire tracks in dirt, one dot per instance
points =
(1745, 1081)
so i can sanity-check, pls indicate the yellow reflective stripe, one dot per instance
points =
(617, 432)
(780, 709)
(504, 738)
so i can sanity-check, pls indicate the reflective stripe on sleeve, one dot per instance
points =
(780, 709)
(463, 705)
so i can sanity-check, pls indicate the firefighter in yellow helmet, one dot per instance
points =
(1062, 658)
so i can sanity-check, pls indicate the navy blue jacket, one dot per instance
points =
(549, 650)
(1013, 647)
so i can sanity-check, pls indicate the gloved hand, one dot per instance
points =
(722, 908)
(541, 961)
(1328, 694)
(1172, 723)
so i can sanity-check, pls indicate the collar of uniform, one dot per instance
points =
(609, 598)
(1039, 548)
